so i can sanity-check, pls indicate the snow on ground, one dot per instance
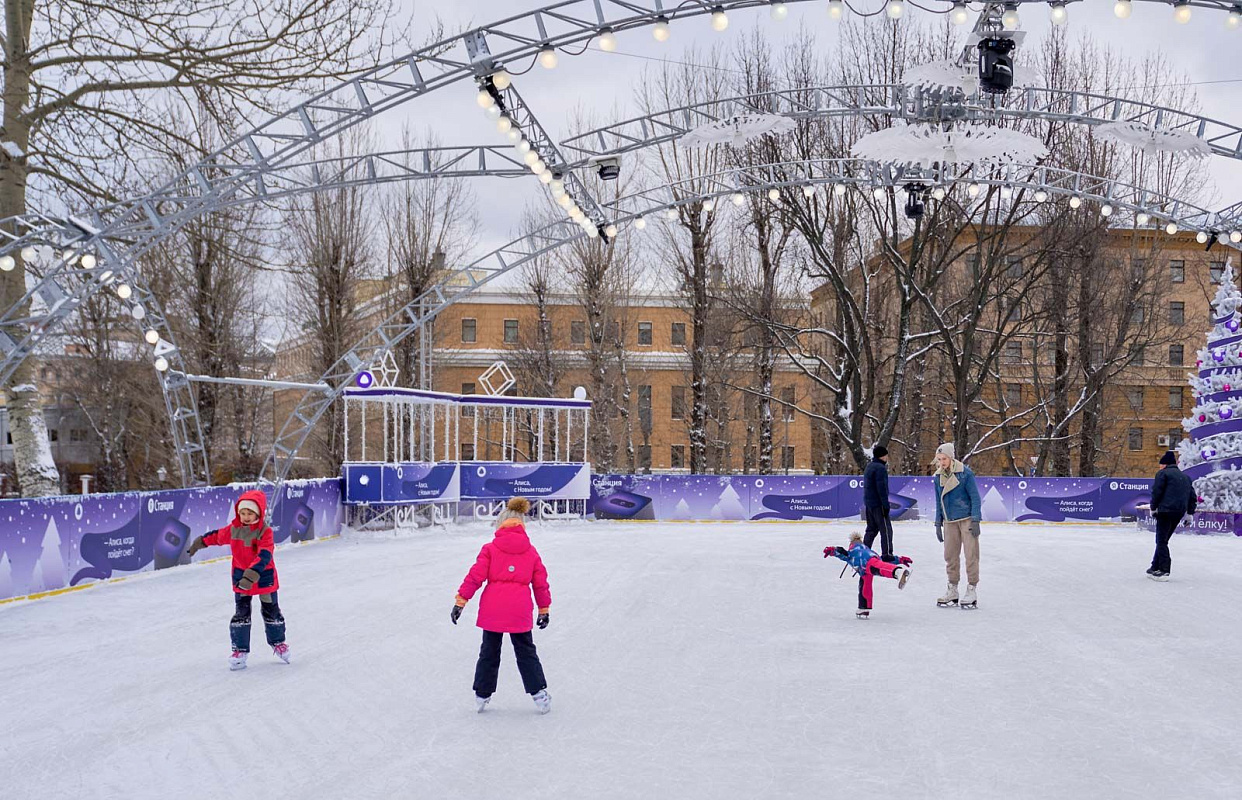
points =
(684, 660)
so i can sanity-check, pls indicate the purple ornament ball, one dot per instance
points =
(1226, 412)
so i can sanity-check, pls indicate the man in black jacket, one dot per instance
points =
(1172, 497)
(875, 502)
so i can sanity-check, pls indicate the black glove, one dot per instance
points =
(940, 532)
(456, 614)
(248, 579)
(195, 546)
(542, 622)
(974, 528)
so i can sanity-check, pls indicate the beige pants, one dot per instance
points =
(958, 538)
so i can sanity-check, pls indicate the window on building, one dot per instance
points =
(677, 456)
(1138, 355)
(8, 437)
(1177, 271)
(1013, 269)
(750, 406)
(78, 435)
(1013, 394)
(1097, 355)
(644, 333)
(1217, 271)
(1098, 439)
(1012, 354)
(1175, 436)
(643, 455)
(614, 331)
(511, 331)
(1137, 316)
(467, 451)
(644, 406)
(469, 330)
(1138, 269)
(1136, 438)
(1176, 355)
(1177, 312)
(679, 333)
(787, 457)
(54, 435)
(577, 332)
(467, 388)
(1135, 397)
(679, 402)
(1176, 397)
(787, 403)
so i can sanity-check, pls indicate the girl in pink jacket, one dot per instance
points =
(511, 567)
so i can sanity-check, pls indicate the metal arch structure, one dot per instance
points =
(784, 175)
(119, 234)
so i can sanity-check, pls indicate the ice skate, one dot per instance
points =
(281, 651)
(969, 600)
(543, 701)
(950, 597)
(237, 660)
(905, 576)
(1158, 575)
(480, 703)
(863, 613)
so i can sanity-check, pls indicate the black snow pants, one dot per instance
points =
(879, 523)
(488, 668)
(1166, 524)
(273, 621)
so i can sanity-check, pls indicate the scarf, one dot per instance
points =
(948, 478)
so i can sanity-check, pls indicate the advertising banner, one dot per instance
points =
(54, 543)
(500, 481)
(421, 483)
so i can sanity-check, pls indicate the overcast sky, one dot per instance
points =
(601, 85)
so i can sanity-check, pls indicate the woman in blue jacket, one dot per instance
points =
(958, 513)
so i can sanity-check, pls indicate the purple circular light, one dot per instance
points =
(365, 380)
(1208, 453)
(1226, 412)
(1232, 325)
(1218, 356)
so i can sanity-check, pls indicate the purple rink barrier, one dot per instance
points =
(779, 497)
(61, 542)
(1202, 522)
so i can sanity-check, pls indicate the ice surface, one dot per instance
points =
(684, 660)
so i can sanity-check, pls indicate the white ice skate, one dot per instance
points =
(950, 597)
(863, 613)
(1162, 577)
(905, 576)
(969, 600)
(543, 701)
(237, 660)
(281, 651)
(481, 703)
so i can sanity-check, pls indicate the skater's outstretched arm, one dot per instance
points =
(210, 539)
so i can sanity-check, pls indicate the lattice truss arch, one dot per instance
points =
(262, 163)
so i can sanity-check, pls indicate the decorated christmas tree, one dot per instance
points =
(1212, 456)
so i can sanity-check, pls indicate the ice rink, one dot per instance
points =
(684, 661)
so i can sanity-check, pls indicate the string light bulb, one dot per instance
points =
(1122, 9)
(1075, 202)
(1010, 18)
(938, 193)
(960, 15)
(88, 261)
(640, 223)
(1040, 196)
(738, 198)
(661, 31)
(1142, 218)
(779, 11)
(1058, 14)
(608, 41)
(501, 79)
(774, 195)
(504, 124)
(1171, 228)
(152, 336)
(836, 9)
(839, 189)
(1234, 19)
(484, 99)
(1106, 210)
(974, 189)
(7, 263)
(895, 9)
(1201, 237)
(161, 364)
(548, 58)
(1181, 12)
(720, 20)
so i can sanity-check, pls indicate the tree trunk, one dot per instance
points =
(700, 310)
(37, 475)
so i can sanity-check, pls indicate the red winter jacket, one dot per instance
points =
(511, 567)
(252, 547)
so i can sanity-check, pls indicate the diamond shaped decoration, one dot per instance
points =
(387, 371)
(498, 370)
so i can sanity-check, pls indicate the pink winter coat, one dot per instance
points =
(511, 567)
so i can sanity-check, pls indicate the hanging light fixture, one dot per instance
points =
(611, 231)
(88, 261)
(124, 292)
(836, 9)
(7, 263)
(738, 198)
(161, 364)
(152, 336)
(484, 99)
(878, 193)
(1142, 218)
(671, 213)
(839, 189)
(504, 124)
(1041, 196)
(960, 15)
(1202, 237)
(709, 206)
(1075, 202)
(720, 20)
(774, 195)
(1106, 210)
(1234, 19)
(548, 58)
(808, 191)
(1235, 236)
(640, 223)
(1181, 12)
(138, 313)
(1058, 14)
(973, 189)
(660, 31)
(779, 11)
(608, 41)
(1122, 9)
(1171, 228)
(501, 79)
(1010, 18)
(895, 9)
(938, 193)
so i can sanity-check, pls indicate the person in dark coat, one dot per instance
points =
(1172, 497)
(875, 503)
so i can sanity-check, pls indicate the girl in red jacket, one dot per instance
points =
(511, 567)
(254, 573)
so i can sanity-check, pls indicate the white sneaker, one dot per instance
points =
(969, 600)
(237, 660)
(543, 701)
(481, 702)
(950, 597)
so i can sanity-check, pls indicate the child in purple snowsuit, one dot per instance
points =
(866, 566)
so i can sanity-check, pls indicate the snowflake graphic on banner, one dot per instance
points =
(1212, 456)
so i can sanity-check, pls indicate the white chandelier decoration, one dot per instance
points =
(737, 131)
(1154, 140)
(943, 76)
(925, 145)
